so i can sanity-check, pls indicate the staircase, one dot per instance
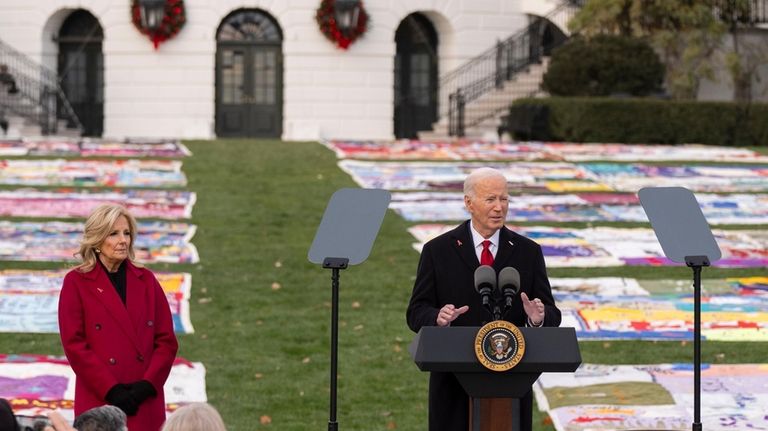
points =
(31, 101)
(482, 116)
(474, 96)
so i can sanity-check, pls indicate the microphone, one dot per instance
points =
(509, 283)
(485, 282)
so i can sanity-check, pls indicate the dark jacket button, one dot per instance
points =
(98, 327)
(112, 361)
(140, 358)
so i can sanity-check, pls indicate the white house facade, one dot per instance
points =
(257, 68)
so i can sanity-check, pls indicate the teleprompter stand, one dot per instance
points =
(685, 237)
(345, 237)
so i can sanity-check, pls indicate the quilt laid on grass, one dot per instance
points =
(65, 203)
(36, 384)
(578, 207)
(167, 242)
(625, 308)
(655, 397)
(88, 173)
(89, 147)
(560, 177)
(520, 151)
(29, 300)
(607, 246)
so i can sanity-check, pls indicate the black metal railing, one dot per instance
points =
(490, 70)
(37, 95)
(744, 12)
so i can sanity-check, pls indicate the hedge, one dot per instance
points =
(653, 121)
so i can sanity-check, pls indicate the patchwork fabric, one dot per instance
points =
(654, 397)
(37, 384)
(164, 204)
(607, 246)
(90, 173)
(465, 149)
(59, 241)
(29, 300)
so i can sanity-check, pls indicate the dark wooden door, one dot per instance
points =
(249, 77)
(249, 91)
(415, 76)
(81, 69)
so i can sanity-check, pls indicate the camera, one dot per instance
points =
(32, 423)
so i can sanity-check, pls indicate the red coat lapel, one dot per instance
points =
(99, 285)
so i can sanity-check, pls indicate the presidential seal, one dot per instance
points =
(499, 345)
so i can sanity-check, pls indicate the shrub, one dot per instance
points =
(653, 121)
(602, 66)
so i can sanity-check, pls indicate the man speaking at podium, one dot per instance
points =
(444, 292)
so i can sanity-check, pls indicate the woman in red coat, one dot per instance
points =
(115, 324)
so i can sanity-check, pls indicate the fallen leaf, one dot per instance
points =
(358, 327)
(276, 286)
(397, 348)
(204, 300)
(265, 420)
(355, 304)
(606, 345)
(306, 360)
(391, 425)
(278, 264)
(258, 375)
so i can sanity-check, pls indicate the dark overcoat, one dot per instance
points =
(446, 276)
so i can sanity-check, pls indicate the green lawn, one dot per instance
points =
(261, 311)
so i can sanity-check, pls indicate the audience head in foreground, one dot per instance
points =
(195, 417)
(104, 418)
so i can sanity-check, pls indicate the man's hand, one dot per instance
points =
(534, 309)
(58, 423)
(449, 313)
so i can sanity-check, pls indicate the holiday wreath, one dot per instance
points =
(172, 22)
(326, 20)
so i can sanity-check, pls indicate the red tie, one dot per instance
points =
(486, 258)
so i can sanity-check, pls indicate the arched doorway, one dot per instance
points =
(249, 76)
(81, 69)
(415, 76)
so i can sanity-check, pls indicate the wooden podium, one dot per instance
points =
(495, 394)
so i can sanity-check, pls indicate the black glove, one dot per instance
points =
(142, 390)
(120, 396)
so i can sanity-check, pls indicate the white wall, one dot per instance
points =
(328, 92)
(755, 42)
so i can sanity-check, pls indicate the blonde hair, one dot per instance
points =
(195, 417)
(97, 228)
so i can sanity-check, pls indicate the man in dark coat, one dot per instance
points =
(444, 292)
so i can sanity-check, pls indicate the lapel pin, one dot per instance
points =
(100, 290)
(510, 243)
(458, 242)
